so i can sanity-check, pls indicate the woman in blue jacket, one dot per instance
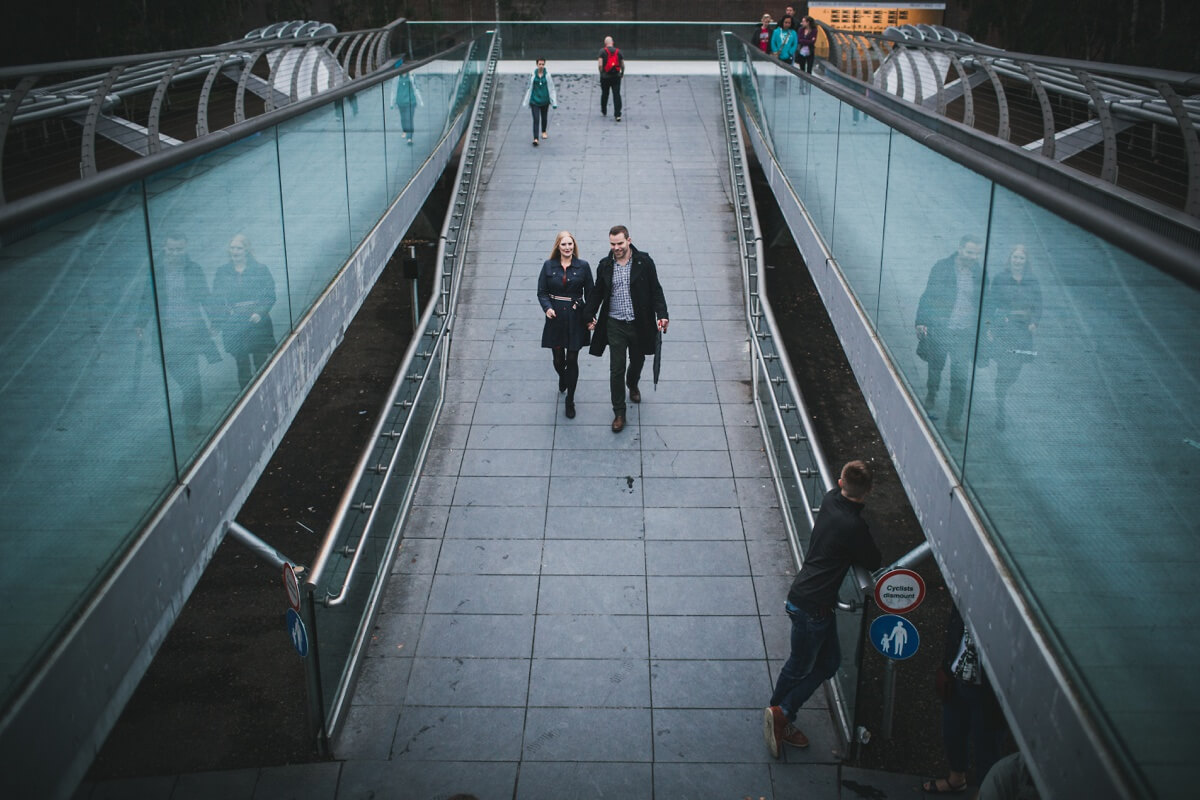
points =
(783, 41)
(539, 97)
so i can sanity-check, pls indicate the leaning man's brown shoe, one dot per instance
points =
(793, 736)
(618, 424)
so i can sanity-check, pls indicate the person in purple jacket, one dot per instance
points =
(806, 50)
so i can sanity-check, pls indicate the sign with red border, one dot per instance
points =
(899, 591)
(292, 585)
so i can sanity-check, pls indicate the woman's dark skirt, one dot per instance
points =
(568, 328)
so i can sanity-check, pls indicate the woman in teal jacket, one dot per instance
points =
(539, 97)
(783, 41)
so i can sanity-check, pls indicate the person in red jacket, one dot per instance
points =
(764, 34)
(612, 68)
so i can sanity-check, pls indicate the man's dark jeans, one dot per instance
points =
(622, 346)
(815, 658)
(613, 83)
(958, 347)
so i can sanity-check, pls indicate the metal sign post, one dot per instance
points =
(412, 272)
(896, 638)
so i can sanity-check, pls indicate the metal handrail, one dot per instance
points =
(331, 600)
(862, 577)
(344, 504)
(1175, 77)
(1131, 94)
(737, 158)
(106, 63)
(29, 209)
(1017, 170)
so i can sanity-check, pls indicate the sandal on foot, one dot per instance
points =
(931, 787)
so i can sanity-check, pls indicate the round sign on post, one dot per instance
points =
(899, 591)
(292, 585)
(894, 637)
(297, 632)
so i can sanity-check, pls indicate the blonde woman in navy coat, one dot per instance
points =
(563, 286)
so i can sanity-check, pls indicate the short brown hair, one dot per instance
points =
(856, 479)
(615, 229)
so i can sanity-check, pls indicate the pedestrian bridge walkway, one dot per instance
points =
(569, 611)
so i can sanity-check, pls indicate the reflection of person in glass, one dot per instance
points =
(408, 97)
(1016, 301)
(185, 309)
(244, 292)
(946, 321)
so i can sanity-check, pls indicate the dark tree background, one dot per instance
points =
(1159, 33)
(1151, 33)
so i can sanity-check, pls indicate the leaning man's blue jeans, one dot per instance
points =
(814, 659)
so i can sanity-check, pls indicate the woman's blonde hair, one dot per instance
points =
(558, 240)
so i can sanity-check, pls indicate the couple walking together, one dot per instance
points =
(624, 307)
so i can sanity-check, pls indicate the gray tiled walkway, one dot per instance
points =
(577, 613)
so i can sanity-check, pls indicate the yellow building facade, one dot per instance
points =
(876, 17)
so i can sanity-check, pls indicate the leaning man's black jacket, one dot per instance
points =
(840, 538)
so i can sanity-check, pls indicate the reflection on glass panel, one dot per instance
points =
(417, 108)
(820, 181)
(1082, 451)
(312, 171)
(862, 168)
(932, 280)
(796, 124)
(366, 161)
(189, 328)
(784, 129)
(85, 447)
(763, 94)
(224, 210)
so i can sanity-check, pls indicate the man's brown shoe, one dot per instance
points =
(635, 396)
(618, 424)
(793, 736)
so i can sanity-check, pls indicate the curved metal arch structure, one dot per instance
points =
(105, 96)
(1060, 109)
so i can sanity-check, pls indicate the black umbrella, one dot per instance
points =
(657, 356)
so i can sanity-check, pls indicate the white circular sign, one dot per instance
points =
(293, 586)
(899, 591)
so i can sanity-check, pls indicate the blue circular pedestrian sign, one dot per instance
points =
(894, 637)
(296, 631)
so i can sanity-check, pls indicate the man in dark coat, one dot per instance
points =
(628, 288)
(947, 318)
(186, 309)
